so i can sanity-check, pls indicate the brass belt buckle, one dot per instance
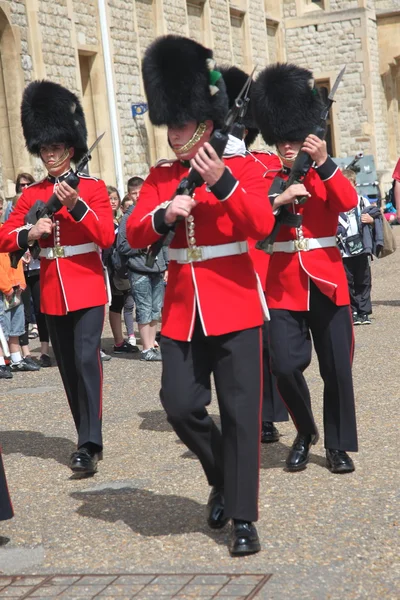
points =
(194, 254)
(59, 252)
(301, 245)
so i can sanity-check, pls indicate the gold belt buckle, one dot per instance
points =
(59, 252)
(301, 245)
(194, 254)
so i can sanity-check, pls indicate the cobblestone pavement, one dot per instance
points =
(324, 536)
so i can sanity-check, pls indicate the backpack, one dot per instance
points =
(119, 271)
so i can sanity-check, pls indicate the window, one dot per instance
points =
(324, 88)
(85, 64)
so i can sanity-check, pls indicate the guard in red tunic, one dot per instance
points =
(307, 290)
(6, 509)
(273, 408)
(212, 312)
(73, 290)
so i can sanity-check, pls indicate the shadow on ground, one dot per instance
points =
(386, 303)
(33, 443)
(154, 420)
(145, 512)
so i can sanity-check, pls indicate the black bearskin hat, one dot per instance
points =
(52, 114)
(180, 83)
(285, 104)
(235, 79)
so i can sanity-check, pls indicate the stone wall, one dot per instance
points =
(325, 48)
(59, 51)
(86, 22)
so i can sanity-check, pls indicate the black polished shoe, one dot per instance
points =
(338, 461)
(215, 509)
(84, 462)
(298, 456)
(269, 433)
(244, 539)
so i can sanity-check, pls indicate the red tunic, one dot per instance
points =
(271, 165)
(396, 172)
(76, 282)
(289, 275)
(224, 290)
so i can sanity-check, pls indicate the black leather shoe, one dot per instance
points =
(215, 509)
(244, 539)
(269, 433)
(84, 462)
(298, 455)
(338, 461)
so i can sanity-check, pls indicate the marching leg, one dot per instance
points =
(273, 407)
(290, 346)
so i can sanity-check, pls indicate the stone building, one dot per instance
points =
(94, 47)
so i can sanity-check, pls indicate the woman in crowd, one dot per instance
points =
(120, 286)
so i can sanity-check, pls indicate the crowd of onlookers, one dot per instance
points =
(137, 291)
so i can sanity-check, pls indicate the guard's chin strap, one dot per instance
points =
(283, 158)
(195, 139)
(60, 161)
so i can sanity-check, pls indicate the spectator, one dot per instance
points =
(147, 285)
(134, 187)
(356, 258)
(396, 189)
(12, 282)
(126, 203)
(23, 180)
(119, 282)
(32, 290)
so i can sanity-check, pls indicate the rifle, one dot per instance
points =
(300, 168)
(353, 165)
(40, 209)
(188, 184)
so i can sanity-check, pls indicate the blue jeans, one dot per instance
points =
(148, 293)
(12, 321)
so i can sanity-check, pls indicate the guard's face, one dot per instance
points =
(185, 140)
(289, 150)
(56, 158)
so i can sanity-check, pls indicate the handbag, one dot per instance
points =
(389, 241)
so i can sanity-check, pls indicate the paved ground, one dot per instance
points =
(323, 536)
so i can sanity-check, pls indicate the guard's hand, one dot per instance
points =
(316, 148)
(208, 164)
(290, 195)
(43, 226)
(181, 206)
(66, 194)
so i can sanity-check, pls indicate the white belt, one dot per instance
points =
(188, 255)
(305, 244)
(66, 251)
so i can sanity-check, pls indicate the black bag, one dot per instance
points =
(354, 244)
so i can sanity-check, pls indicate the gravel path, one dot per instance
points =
(323, 535)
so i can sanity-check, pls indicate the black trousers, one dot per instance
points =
(6, 509)
(358, 271)
(75, 338)
(273, 407)
(33, 289)
(231, 458)
(290, 344)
